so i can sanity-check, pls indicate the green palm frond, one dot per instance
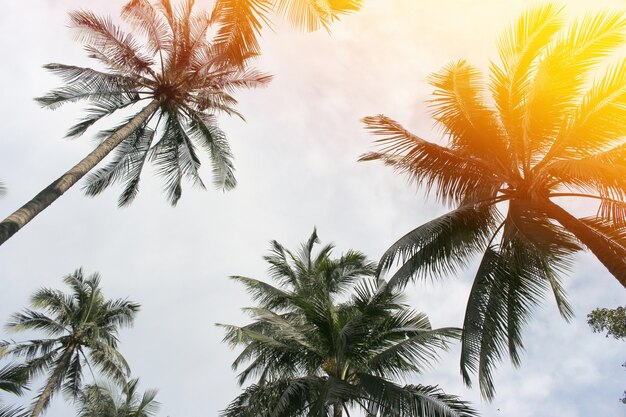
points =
(13, 379)
(441, 246)
(389, 399)
(125, 400)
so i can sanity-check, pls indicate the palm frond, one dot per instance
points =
(127, 158)
(208, 135)
(598, 121)
(442, 245)
(389, 399)
(451, 174)
(562, 73)
(458, 105)
(109, 44)
(240, 22)
(142, 15)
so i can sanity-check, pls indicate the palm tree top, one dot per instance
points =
(80, 332)
(188, 78)
(554, 126)
(105, 400)
(330, 335)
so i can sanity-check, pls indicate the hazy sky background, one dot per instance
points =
(296, 166)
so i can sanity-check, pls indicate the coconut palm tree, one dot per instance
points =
(107, 401)
(174, 85)
(557, 130)
(330, 338)
(81, 329)
(241, 21)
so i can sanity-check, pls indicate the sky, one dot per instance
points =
(296, 166)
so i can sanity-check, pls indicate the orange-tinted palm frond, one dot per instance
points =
(240, 22)
(107, 43)
(519, 49)
(306, 14)
(599, 122)
(458, 105)
(450, 173)
(311, 14)
(142, 15)
(562, 74)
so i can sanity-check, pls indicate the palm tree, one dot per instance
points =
(82, 331)
(106, 401)
(241, 21)
(330, 337)
(555, 132)
(177, 83)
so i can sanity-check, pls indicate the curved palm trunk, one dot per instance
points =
(53, 382)
(48, 195)
(610, 254)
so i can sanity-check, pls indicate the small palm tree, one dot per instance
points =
(554, 132)
(241, 21)
(330, 338)
(178, 82)
(82, 331)
(107, 401)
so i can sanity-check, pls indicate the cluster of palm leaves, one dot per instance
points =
(81, 334)
(176, 83)
(331, 337)
(557, 130)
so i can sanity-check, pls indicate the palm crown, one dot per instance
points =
(186, 80)
(107, 401)
(82, 330)
(555, 131)
(312, 353)
(180, 73)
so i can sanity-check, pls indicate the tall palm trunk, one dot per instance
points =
(48, 195)
(53, 382)
(338, 408)
(612, 256)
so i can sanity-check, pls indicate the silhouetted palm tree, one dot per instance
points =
(109, 401)
(555, 131)
(330, 338)
(177, 84)
(82, 331)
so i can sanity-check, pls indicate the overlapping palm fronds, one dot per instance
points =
(556, 130)
(329, 338)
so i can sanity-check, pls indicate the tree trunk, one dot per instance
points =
(608, 252)
(52, 383)
(338, 408)
(48, 195)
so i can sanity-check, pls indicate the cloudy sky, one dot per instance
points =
(296, 166)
